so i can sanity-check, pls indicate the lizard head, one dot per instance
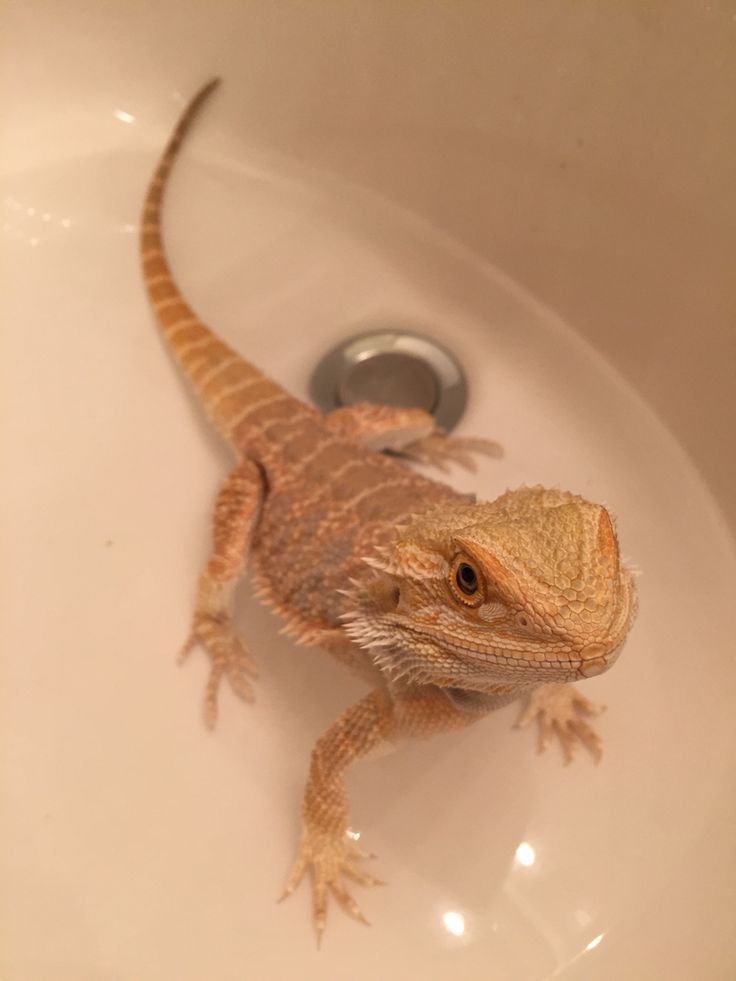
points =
(530, 587)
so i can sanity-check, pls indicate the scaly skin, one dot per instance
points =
(449, 608)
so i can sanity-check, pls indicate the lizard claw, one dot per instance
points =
(560, 711)
(438, 451)
(330, 859)
(230, 658)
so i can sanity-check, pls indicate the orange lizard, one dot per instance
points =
(449, 608)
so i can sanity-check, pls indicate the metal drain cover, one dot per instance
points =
(392, 367)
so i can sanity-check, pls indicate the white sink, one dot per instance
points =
(548, 191)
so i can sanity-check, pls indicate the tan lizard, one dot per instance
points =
(448, 607)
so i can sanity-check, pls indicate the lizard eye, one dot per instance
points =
(466, 578)
(466, 583)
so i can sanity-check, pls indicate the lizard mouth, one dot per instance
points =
(540, 665)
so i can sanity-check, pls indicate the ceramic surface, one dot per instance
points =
(137, 845)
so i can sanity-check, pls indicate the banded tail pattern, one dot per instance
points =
(232, 390)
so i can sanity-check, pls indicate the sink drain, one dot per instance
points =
(392, 367)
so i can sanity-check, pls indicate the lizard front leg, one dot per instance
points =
(410, 433)
(560, 711)
(374, 723)
(236, 515)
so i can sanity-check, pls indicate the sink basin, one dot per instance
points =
(547, 192)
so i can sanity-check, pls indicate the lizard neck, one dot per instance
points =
(487, 699)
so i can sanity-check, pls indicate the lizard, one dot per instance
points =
(448, 607)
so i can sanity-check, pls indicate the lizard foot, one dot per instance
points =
(438, 451)
(330, 859)
(230, 658)
(560, 711)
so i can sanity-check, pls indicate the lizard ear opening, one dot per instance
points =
(386, 594)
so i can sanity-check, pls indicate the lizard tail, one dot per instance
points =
(231, 390)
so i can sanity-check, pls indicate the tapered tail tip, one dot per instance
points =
(210, 85)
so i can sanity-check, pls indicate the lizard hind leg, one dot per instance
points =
(411, 434)
(236, 515)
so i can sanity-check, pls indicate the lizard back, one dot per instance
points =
(330, 503)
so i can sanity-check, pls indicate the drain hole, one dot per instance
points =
(390, 379)
(392, 368)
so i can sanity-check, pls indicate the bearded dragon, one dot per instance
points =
(447, 607)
